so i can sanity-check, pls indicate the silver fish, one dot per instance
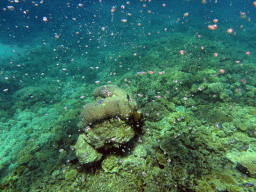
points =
(99, 102)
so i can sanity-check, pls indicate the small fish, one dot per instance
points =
(218, 125)
(244, 148)
(247, 184)
(99, 102)
(128, 98)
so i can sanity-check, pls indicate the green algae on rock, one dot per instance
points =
(110, 164)
(85, 152)
(105, 122)
(114, 132)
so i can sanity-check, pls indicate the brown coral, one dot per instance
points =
(110, 102)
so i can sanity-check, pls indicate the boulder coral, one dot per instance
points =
(113, 132)
(107, 120)
(110, 102)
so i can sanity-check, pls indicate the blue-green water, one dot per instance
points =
(128, 95)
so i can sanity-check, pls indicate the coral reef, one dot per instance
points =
(105, 123)
(245, 161)
(154, 111)
(110, 102)
(85, 152)
(113, 131)
(166, 120)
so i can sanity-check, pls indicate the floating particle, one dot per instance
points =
(247, 53)
(11, 8)
(243, 15)
(215, 20)
(230, 30)
(113, 9)
(161, 72)
(186, 14)
(124, 20)
(212, 27)
(45, 19)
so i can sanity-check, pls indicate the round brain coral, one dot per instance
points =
(110, 102)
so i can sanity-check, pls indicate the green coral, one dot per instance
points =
(85, 152)
(113, 131)
(203, 187)
(71, 174)
(154, 111)
(110, 164)
(110, 102)
(247, 161)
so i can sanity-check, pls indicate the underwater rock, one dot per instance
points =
(106, 123)
(71, 174)
(110, 102)
(110, 164)
(85, 152)
(140, 151)
(114, 132)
